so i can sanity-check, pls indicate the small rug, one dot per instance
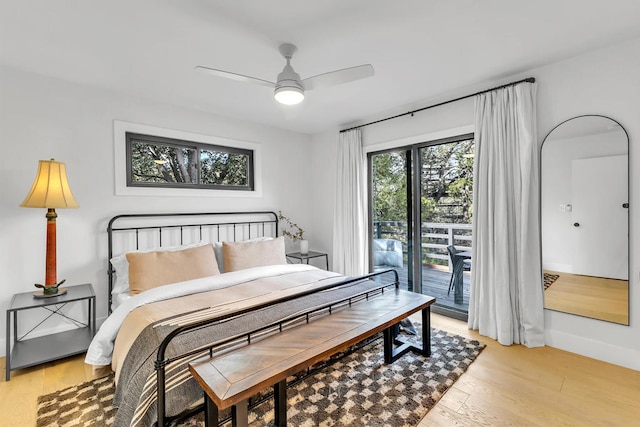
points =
(549, 279)
(358, 390)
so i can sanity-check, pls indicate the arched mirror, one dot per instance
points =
(585, 218)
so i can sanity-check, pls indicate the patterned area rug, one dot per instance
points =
(549, 279)
(358, 390)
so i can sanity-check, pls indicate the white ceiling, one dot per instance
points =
(422, 50)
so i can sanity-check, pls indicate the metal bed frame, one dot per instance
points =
(162, 361)
(260, 227)
(250, 225)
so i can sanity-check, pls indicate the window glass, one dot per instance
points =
(421, 205)
(163, 162)
(224, 168)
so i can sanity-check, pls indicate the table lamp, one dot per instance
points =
(50, 190)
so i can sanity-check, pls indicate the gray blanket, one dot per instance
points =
(136, 392)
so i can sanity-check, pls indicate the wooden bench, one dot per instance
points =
(230, 378)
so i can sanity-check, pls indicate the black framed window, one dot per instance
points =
(154, 161)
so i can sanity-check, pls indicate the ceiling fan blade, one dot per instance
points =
(235, 76)
(338, 77)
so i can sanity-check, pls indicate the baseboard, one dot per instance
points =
(621, 356)
(562, 268)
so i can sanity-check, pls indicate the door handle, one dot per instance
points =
(625, 205)
(576, 224)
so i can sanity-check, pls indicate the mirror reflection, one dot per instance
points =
(585, 218)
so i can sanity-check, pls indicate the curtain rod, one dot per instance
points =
(527, 80)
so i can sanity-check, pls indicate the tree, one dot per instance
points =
(390, 187)
(167, 164)
(446, 184)
(223, 168)
(163, 163)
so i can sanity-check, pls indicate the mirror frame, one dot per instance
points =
(628, 216)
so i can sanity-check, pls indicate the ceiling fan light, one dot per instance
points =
(289, 95)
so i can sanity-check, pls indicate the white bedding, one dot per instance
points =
(118, 299)
(101, 349)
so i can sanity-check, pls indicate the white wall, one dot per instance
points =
(556, 171)
(42, 118)
(603, 82)
(324, 155)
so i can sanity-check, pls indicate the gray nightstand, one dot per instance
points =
(33, 351)
(304, 258)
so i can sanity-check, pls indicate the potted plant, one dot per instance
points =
(294, 232)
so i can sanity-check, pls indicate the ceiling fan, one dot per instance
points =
(289, 88)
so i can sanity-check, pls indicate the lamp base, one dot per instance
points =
(41, 294)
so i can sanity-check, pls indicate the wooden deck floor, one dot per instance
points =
(435, 283)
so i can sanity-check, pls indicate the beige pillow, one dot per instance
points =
(151, 269)
(242, 255)
(121, 265)
(217, 248)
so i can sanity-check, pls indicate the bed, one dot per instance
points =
(186, 285)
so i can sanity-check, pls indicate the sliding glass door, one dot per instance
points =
(390, 209)
(423, 194)
(446, 194)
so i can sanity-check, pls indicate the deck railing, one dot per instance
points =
(436, 236)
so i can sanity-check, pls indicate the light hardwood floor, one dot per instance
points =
(505, 386)
(596, 297)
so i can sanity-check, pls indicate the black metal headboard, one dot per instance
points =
(130, 232)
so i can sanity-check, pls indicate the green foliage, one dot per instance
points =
(389, 187)
(446, 194)
(224, 168)
(446, 181)
(162, 163)
(446, 184)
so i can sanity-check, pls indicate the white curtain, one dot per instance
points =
(350, 216)
(506, 300)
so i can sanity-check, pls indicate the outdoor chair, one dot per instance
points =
(387, 253)
(458, 263)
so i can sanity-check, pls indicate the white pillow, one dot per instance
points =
(217, 249)
(121, 265)
(243, 255)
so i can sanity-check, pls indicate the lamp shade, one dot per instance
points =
(50, 188)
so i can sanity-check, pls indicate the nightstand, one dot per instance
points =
(304, 258)
(34, 351)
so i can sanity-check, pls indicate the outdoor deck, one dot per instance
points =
(436, 238)
(435, 283)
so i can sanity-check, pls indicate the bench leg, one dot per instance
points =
(240, 414)
(391, 352)
(210, 412)
(388, 338)
(426, 331)
(280, 403)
